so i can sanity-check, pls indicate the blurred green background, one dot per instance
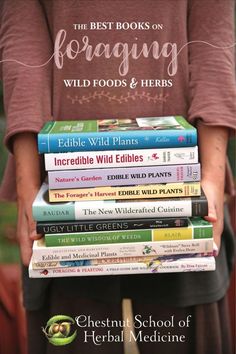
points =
(9, 252)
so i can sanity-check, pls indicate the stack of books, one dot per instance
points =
(123, 197)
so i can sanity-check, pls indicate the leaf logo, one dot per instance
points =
(58, 330)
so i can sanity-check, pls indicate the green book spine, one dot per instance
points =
(95, 238)
(201, 228)
(198, 229)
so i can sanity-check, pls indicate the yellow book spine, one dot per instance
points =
(126, 192)
(181, 233)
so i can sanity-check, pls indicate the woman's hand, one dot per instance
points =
(215, 197)
(28, 181)
(212, 147)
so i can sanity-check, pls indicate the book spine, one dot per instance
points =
(95, 238)
(117, 158)
(105, 225)
(53, 212)
(125, 176)
(87, 210)
(184, 265)
(199, 206)
(120, 260)
(86, 262)
(134, 249)
(128, 192)
(113, 140)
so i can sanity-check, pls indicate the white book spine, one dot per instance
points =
(120, 158)
(41, 253)
(109, 210)
(182, 265)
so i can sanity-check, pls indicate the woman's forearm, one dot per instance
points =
(212, 147)
(212, 141)
(28, 169)
(28, 180)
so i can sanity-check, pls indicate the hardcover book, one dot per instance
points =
(110, 134)
(155, 267)
(167, 190)
(118, 158)
(198, 228)
(42, 253)
(117, 209)
(124, 176)
(106, 225)
(119, 260)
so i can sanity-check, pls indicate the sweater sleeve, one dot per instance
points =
(25, 45)
(212, 67)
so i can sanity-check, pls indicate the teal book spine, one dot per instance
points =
(113, 134)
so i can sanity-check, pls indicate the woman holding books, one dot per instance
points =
(187, 70)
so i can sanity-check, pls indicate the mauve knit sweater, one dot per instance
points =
(199, 83)
(202, 83)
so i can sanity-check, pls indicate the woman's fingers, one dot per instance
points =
(26, 229)
(23, 237)
(215, 209)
